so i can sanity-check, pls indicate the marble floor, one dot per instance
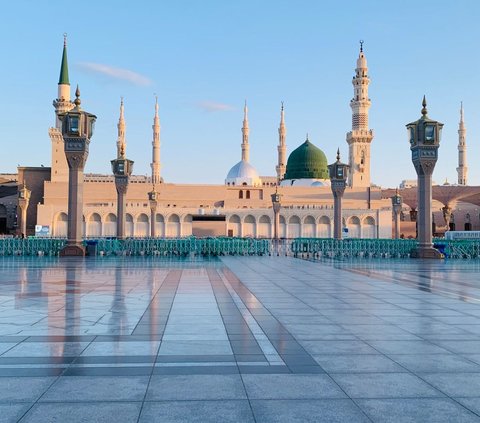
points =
(239, 339)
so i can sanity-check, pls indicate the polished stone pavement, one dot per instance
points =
(239, 339)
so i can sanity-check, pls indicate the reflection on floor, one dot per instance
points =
(238, 339)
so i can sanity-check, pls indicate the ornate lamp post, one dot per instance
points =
(397, 201)
(23, 201)
(424, 135)
(77, 130)
(152, 199)
(122, 169)
(277, 205)
(338, 172)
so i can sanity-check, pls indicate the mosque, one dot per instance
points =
(241, 206)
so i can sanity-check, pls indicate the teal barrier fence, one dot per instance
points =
(316, 247)
(368, 248)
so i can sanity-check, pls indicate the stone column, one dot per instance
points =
(121, 184)
(23, 202)
(76, 163)
(337, 211)
(153, 214)
(396, 221)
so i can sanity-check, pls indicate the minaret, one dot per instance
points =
(62, 104)
(245, 131)
(156, 147)
(462, 168)
(360, 137)
(282, 147)
(121, 141)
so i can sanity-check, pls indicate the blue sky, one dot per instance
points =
(203, 59)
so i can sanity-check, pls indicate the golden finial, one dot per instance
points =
(361, 46)
(338, 154)
(65, 39)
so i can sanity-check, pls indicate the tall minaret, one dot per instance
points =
(121, 141)
(462, 168)
(360, 137)
(245, 131)
(156, 147)
(62, 104)
(282, 146)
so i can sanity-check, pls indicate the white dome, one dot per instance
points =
(243, 173)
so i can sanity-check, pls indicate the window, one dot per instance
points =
(240, 194)
(248, 194)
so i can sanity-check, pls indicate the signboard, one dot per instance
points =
(42, 230)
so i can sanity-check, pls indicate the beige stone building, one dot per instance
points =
(241, 206)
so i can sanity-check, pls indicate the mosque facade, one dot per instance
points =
(239, 207)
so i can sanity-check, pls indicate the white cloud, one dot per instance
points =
(212, 106)
(116, 73)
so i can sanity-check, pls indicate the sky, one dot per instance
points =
(203, 59)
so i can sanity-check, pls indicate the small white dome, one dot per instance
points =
(243, 173)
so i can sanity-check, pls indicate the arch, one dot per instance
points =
(247, 194)
(368, 227)
(159, 225)
(264, 228)
(234, 226)
(173, 226)
(249, 226)
(110, 225)
(309, 227)
(353, 225)
(324, 227)
(129, 227)
(282, 230)
(187, 225)
(60, 225)
(142, 227)
(240, 194)
(294, 227)
(94, 225)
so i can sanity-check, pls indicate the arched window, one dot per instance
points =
(248, 194)
(240, 194)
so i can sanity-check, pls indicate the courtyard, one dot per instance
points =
(239, 339)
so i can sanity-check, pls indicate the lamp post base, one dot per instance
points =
(426, 253)
(72, 250)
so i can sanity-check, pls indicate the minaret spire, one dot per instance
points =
(361, 136)
(156, 147)
(282, 146)
(245, 133)
(462, 169)
(63, 79)
(121, 141)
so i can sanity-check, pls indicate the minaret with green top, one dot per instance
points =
(62, 104)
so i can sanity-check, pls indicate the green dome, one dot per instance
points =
(307, 162)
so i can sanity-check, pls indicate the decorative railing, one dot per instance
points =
(191, 246)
